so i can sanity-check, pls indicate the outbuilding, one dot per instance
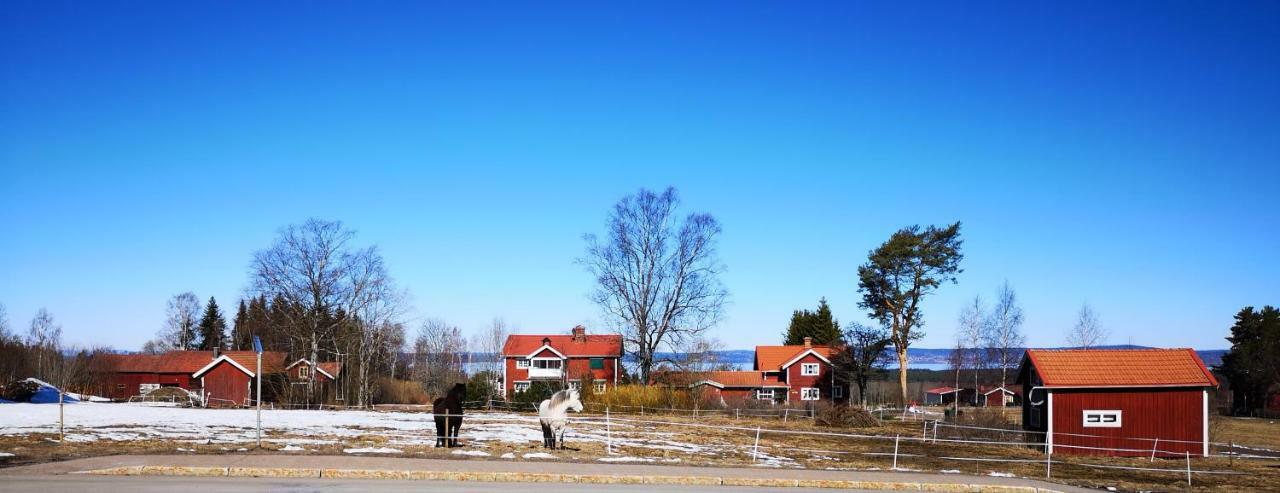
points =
(1127, 402)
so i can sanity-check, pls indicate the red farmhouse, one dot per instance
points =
(782, 374)
(1117, 401)
(564, 359)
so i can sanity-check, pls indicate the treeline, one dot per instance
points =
(39, 353)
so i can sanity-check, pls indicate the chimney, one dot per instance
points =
(808, 342)
(580, 333)
(546, 341)
(216, 351)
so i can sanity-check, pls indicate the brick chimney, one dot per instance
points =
(808, 342)
(580, 334)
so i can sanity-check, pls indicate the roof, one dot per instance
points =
(1117, 368)
(246, 361)
(330, 369)
(605, 345)
(751, 379)
(944, 390)
(186, 361)
(772, 358)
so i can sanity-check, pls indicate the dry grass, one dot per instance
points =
(1253, 431)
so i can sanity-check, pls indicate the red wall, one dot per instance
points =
(1173, 414)
(131, 382)
(225, 381)
(797, 381)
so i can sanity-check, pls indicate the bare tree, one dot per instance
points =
(182, 315)
(44, 338)
(374, 305)
(657, 276)
(64, 372)
(1004, 338)
(5, 333)
(862, 355)
(306, 271)
(490, 342)
(969, 336)
(1088, 331)
(437, 354)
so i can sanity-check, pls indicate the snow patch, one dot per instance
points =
(185, 450)
(292, 448)
(6, 454)
(372, 450)
(1000, 474)
(538, 455)
(472, 453)
(625, 459)
(950, 471)
(508, 455)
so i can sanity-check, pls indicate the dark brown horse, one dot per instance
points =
(448, 414)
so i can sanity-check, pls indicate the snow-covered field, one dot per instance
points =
(297, 429)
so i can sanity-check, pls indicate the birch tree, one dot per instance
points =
(1004, 339)
(44, 338)
(490, 342)
(657, 274)
(972, 331)
(182, 316)
(1087, 331)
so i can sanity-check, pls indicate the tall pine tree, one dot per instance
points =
(241, 338)
(818, 325)
(213, 328)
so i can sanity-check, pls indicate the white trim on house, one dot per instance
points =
(810, 394)
(1205, 416)
(546, 347)
(802, 355)
(712, 383)
(1049, 433)
(215, 362)
(515, 386)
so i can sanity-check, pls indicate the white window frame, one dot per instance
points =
(304, 371)
(766, 394)
(810, 394)
(1101, 418)
(837, 392)
(600, 385)
(522, 363)
(809, 369)
(517, 387)
(545, 363)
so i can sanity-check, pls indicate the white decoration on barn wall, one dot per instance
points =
(1101, 418)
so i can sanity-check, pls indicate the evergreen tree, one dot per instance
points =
(241, 338)
(818, 325)
(1253, 363)
(213, 328)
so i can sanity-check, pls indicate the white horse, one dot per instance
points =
(553, 416)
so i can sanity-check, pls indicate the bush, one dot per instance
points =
(843, 416)
(481, 387)
(538, 391)
(400, 392)
(633, 396)
(18, 391)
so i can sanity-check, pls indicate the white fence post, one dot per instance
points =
(1048, 461)
(1153, 449)
(895, 451)
(735, 413)
(1188, 469)
(785, 411)
(755, 450)
(608, 430)
(924, 430)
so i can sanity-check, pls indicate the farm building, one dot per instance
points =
(794, 373)
(1117, 401)
(999, 397)
(220, 377)
(563, 359)
(728, 386)
(945, 396)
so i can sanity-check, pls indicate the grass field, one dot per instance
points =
(100, 429)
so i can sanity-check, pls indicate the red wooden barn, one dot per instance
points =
(224, 376)
(733, 386)
(1117, 401)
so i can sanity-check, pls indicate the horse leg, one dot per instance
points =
(546, 434)
(453, 433)
(440, 431)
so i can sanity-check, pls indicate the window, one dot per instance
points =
(597, 363)
(809, 394)
(522, 362)
(1101, 419)
(764, 394)
(521, 387)
(303, 371)
(600, 386)
(837, 392)
(809, 369)
(575, 385)
(546, 364)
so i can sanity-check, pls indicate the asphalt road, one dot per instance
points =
(161, 484)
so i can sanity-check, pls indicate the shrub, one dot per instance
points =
(481, 387)
(400, 392)
(633, 396)
(843, 416)
(18, 391)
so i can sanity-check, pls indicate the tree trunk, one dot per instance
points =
(62, 417)
(902, 372)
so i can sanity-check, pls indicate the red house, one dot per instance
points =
(1117, 401)
(563, 359)
(740, 385)
(796, 373)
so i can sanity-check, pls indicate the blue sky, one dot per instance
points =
(1120, 154)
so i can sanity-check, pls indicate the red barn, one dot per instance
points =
(563, 359)
(1117, 401)
(224, 376)
(728, 386)
(228, 379)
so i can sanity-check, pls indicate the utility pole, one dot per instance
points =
(257, 348)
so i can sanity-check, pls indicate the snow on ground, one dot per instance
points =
(1000, 474)
(472, 453)
(625, 459)
(292, 448)
(6, 454)
(91, 422)
(538, 455)
(372, 450)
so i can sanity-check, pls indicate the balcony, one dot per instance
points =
(545, 373)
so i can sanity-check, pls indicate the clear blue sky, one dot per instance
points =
(1123, 154)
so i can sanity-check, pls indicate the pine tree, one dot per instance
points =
(820, 326)
(241, 338)
(213, 328)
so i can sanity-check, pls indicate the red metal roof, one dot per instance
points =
(750, 379)
(1120, 368)
(609, 345)
(771, 358)
(187, 362)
